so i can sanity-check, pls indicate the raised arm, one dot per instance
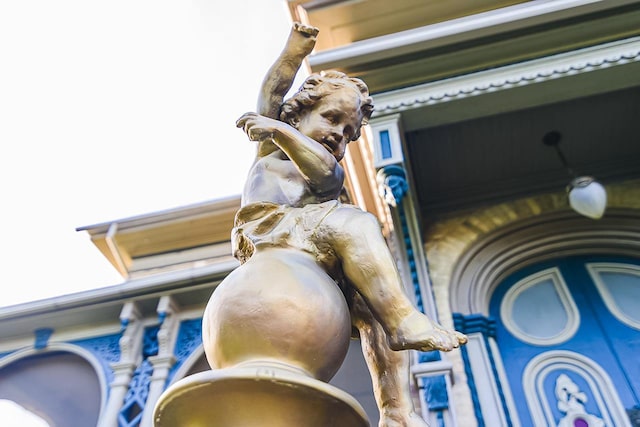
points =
(282, 73)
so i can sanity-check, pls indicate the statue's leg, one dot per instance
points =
(389, 370)
(368, 265)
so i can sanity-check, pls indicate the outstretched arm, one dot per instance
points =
(314, 162)
(282, 73)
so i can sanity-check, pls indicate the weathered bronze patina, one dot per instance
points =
(278, 327)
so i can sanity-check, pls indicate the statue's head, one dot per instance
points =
(318, 86)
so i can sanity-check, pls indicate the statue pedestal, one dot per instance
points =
(256, 395)
(275, 331)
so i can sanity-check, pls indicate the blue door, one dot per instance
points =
(569, 339)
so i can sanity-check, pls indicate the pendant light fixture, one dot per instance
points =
(586, 196)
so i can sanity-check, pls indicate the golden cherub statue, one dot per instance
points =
(312, 271)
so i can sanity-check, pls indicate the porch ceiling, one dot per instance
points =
(486, 160)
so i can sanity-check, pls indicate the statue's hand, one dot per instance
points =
(303, 38)
(257, 127)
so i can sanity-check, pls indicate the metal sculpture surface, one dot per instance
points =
(278, 327)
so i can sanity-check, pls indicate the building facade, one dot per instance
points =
(472, 201)
(466, 95)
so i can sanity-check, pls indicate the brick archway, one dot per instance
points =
(468, 255)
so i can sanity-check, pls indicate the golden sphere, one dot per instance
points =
(278, 307)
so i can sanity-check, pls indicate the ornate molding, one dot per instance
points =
(511, 76)
(600, 386)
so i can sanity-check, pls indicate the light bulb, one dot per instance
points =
(587, 197)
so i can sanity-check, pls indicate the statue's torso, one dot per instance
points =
(274, 178)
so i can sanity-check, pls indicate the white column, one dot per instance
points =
(388, 143)
(164, 360)
(130, 346)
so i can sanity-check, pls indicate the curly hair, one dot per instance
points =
(317, 86)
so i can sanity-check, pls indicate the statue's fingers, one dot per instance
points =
(240, 122)
(243, 119)
(305, 29)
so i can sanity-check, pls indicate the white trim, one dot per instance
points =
(392, 125)
(432, 369)
(160, 284)
(570, 307)
(507, 77)
(468, 27)
(492, 257)
(504, 382)
(601, 386)
(583, 373)
(69, 348)
(595, 268)
(486, 385)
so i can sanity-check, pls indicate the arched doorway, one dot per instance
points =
(478, 253)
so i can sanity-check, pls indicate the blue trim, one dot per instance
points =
(474, 323)
(435, 391)
(385, 145)
(150, 345)
(478, 323)
(106, 348)
(494, 370)
(435, 388)
(161, 317)
(42, 338)
(634, 415)
(123, 325)
(130, 414)
(396, 180)
(188, 340)
(459, 324)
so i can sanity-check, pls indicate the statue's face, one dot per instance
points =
(333, 120)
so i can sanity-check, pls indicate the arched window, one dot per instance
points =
(60, 386)
(619, 287)
(539, 309)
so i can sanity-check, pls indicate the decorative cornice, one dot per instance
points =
(516, 75)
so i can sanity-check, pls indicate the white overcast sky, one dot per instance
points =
(110, 109)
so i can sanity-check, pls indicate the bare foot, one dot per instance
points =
(302, 38)
(418, 332)
(391, 419)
